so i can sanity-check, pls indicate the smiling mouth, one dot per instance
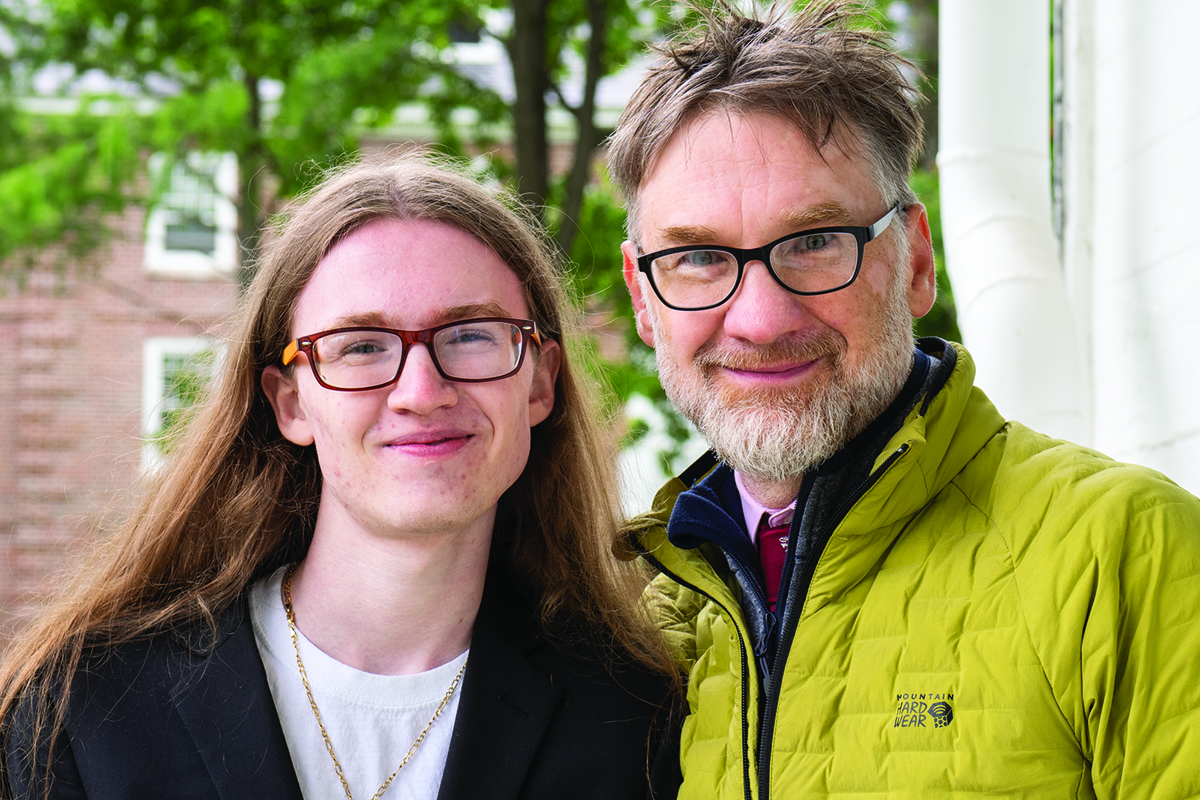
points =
(769, 373)
(772, 369)
(433, 443)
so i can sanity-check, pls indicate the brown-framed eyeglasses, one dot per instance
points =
(359, 358)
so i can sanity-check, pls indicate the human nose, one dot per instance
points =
(420, 388)
(761, 310)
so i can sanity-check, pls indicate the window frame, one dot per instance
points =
(159, 260)
(155, 352)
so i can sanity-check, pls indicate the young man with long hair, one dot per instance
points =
(379, 561)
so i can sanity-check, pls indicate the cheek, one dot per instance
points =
(503, 407)
(862, 323)
(510, 452)
(685, 332)
(877, 274)
(520, 451)
(517, 436)
(334, 423)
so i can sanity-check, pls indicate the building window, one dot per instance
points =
(191, 232)
(175, 376)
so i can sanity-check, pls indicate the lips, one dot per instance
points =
(441, 441)
(771, 369)
(770, 373)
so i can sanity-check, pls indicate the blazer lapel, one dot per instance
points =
(227, 708)
(507, 703)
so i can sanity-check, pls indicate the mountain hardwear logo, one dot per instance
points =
(924, 710)
(942, 714)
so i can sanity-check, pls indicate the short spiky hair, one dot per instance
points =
(837, 81)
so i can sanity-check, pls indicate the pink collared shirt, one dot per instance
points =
(753, 511)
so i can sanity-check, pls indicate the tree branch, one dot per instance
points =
(588, 138)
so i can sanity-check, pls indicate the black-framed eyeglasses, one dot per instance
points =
(811, 262)
(466, 350)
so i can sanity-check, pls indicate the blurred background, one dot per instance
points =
(146, 145)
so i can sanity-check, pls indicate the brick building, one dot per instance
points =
(93, 360)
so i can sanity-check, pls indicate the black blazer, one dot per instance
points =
(175, 717)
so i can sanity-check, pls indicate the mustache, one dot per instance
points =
(791, 350)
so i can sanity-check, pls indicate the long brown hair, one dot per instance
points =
(237, 500)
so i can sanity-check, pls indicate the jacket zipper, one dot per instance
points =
(746, 676)
(770, 621)
(788, 630)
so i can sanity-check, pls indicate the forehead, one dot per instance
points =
(747, 178)
(407, 274)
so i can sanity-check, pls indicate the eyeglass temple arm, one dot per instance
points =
(880, 226)
(290, 352)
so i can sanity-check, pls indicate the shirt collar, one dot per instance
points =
(753, 510)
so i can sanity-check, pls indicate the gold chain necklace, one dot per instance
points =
(337, 767)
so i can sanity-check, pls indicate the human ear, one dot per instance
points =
(284, 398)
(922, 287)
(637, 292)
(545, 374)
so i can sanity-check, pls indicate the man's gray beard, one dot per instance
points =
(777, 435)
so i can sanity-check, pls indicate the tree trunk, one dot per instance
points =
(527, 52)
(588, 135)
(250, 166)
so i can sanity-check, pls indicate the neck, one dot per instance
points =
(391, 606)
(770, 493)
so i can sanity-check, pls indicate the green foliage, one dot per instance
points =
(290, 86)
(339, 69)
(625, 34)
(59, 177)
(345, 88)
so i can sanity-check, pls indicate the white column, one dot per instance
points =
(1001, 252)
(1146, 237)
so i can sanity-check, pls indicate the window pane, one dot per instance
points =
(192, 236)
(190, 202)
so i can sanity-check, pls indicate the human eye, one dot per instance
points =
(813, 250)
(356, 348)
(696, 264)
(814, 242)
(363, 348)
(470, 336)
(699, 258)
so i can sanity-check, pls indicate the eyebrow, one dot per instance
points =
(678, 235)
(376, 319)
(820, 215)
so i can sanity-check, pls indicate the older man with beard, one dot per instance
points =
(876, 583)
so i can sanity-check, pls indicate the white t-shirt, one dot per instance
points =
(372, 720)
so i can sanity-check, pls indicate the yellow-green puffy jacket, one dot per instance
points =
(1000, 614)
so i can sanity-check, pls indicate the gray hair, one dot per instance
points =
(818, 68)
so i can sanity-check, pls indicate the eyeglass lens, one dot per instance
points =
(810, 262)
(357, 359)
